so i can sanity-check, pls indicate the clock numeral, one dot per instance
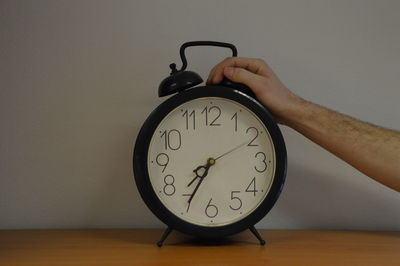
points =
(188, 205)
(206, 114)
(218, 110)
(172, 139)
(237, 199)
(264, 163)
(187, 116)
(215, 110)
(253, 129)
(162, 160)
(211, 210)
(169, 188)
(234, 117)
(252, 187)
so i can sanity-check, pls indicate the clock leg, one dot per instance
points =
(257, 235)
(164, 236)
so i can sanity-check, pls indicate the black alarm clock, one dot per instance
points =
(210, 161)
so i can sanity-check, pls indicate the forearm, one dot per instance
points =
(372, 150)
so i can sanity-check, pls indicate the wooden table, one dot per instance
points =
(137, 247)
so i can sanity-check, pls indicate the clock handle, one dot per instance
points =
(203, 43)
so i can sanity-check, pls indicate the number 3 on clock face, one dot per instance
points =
(213, 161)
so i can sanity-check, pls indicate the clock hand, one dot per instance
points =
(192, 180)
(197, 170)
(195, 190)
(201, 175)
(197, 176)
(234, 149)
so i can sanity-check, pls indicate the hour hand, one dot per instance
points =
(201, 171)
(191, 182)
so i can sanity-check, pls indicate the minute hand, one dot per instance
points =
(232, 150)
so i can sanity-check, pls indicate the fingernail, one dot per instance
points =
(228, 71)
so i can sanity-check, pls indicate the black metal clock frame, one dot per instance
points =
(142, 175)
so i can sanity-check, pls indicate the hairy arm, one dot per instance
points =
(370, 149)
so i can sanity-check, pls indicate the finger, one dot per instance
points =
(216, 73)
(211, 74)
(241, 75)
(217, 70)
(219, 65)
(253, 65)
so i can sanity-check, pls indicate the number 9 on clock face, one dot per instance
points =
(212, 161)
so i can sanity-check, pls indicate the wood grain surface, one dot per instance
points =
(137, 247)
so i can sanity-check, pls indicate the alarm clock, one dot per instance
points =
(210, 161)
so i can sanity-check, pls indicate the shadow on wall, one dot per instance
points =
(313, 199)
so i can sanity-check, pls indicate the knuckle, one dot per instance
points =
(240, 74)
(237, 71)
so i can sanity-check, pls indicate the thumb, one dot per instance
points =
(241, 75)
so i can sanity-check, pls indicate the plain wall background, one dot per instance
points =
(78, 79)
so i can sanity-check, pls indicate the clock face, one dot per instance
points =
(211, 161)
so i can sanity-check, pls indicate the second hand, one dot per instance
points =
(234, 149)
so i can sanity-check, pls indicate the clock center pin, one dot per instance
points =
(211, 161)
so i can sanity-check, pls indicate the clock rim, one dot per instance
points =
(142, 179)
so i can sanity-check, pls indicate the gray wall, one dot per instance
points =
(78, 78)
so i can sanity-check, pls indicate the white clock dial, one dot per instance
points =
(229, 133)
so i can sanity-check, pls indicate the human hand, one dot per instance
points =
(259, 77)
